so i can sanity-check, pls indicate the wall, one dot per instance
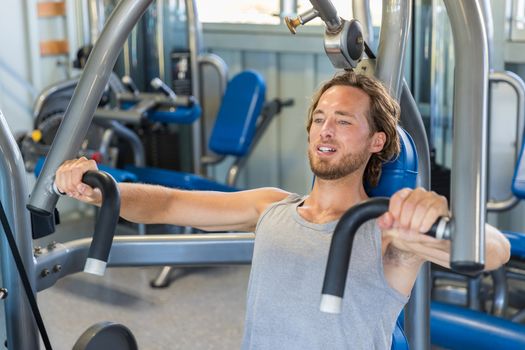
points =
(293, 67)
(15, 68)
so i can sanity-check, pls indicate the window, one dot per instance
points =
(269, 12)
(517, 32)
(239, 11)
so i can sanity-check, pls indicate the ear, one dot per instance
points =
(378, 142)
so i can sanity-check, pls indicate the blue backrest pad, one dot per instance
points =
(518, 182)
(400, 172)
(241, 105)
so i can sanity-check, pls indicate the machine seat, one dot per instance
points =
(232, 135)
(400, 172)
(181, 115)
(396, 174)
(518, 182)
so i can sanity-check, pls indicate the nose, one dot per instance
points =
(328, 128)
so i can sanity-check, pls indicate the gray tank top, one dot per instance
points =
(285, 285)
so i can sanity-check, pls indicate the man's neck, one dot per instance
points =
(330, 199)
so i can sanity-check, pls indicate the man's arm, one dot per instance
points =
(405, 247)
(207, 210)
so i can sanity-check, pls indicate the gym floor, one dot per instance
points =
(203, 308)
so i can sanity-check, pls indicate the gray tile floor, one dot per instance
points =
(203, 308)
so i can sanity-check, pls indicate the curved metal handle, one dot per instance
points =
(106, 220)
(341, 248)
(220, 66)
(519, 86)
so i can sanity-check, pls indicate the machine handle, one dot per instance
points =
(341, 248)
(518, 85)
(106, 220)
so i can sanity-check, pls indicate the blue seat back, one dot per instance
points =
(396, 174)
(399, 340)
(518, 182)
(400, 172)
(241, 105)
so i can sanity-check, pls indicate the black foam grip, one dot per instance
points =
(342, 242)
(343, 239)
(108, 216)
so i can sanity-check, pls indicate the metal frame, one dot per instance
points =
(152, 250)
(468, 178)
(390, 63)
(21, 329)
(518, 85)
(85, 98)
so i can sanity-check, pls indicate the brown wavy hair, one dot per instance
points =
(383, 116)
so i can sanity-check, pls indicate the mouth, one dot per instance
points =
(326, 150)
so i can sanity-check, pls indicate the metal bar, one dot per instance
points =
(417, 315)
(130, 116)
(519, 87)
(473, 293)
(395, 26)
(220, 66)
(195, 46)
(486, 13)
(50, 90)
(21, 328)
(139, 155)
(160, 40)
(82, 22)
(468, 180)
(96, 19)
(328, 14)
(390, 63)
(500, 300)
(361, 12)
(150, 250)
(86, 98)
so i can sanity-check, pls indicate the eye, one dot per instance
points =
(344, 122)
(318, 120)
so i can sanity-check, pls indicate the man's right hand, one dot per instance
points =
(68, 179)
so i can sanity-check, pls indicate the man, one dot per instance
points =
(351, 130)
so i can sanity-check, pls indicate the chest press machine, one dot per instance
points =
(126, 251)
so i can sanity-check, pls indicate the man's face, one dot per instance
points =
(339, 140)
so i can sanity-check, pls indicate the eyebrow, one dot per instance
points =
(341, 113)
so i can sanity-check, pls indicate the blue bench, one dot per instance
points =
(233, 134)
(458, 328)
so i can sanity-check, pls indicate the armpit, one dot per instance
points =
(397, 257)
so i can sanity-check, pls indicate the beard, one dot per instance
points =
(349, 164)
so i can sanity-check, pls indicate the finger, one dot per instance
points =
(396, 202)
(385, 221)
(420, 212)
(409, 206)
(438, 209)
(85, 190)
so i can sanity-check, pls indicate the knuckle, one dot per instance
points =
(92, 164)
